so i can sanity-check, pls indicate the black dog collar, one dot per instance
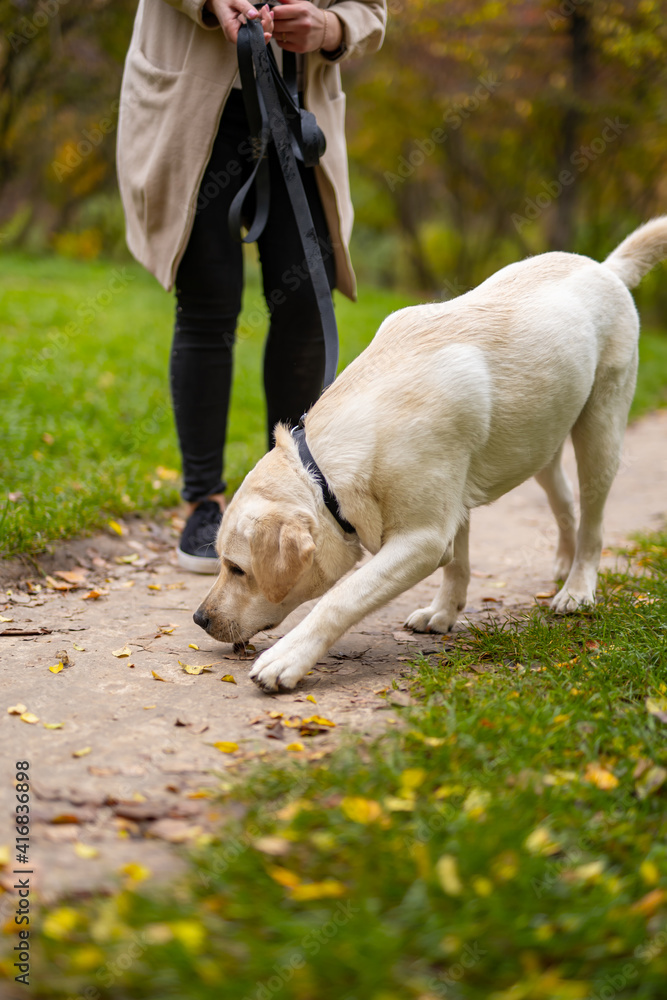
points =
(309, 463)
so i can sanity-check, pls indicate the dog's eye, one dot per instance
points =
(235, 570)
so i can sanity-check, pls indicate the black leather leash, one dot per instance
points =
(274, 114)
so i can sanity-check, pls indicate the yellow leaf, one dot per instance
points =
(195, 669)
(649, 872)
(448, 875)
(309, 697)
(54, 725)
(600, 777)
(295, 746)
(81, 753)
(59, 923)
(115, 526)
(135, 871)
(229, 678)
(476, 802)
(275, 846)
(541, 841)
(86, 851)
(3, 619)
(328, 889)
(17, 709)
(190, 934)
(81, 649)
(30, 718)
(125, 651)
(56, 668)
(146, 707)
(657, 707)
(361, 810)
(412, 778)
(193, 645)
(482, 886)
(588, 872)
(283, 876)
(224, 747)
(157, 676)
(320, 721)
(155, 586)
(393, 804)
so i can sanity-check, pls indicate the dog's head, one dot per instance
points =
(270, 546)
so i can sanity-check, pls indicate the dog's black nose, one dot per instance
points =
(201, 618)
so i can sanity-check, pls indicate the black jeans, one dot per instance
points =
(209, 286)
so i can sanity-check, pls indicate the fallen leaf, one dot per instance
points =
(29, 718)
(600, 777)
(295, 746)
(63, 657)
(545, 595)
(86, 851)
(275, 846)
(283, 876)
(56, 668)
(229, 678)
(542, 841)
(651, 781)
(135, 871)
(361, 810)
(328, 889)
(448, 875)
(17, 709)
(73, 576)
(309, 697)
(124, 651)
(59, 584)
(132, 558)
(195, 669)
(157, 676)
(115, 526)
(319, 721)
(155, 586)
(81, 753)
(405, 637)
(649, 903)
(3, 619)
(225, 747)
(193, 645)
(54, 725)
(657, 707)
(93, 595)
(176, 831)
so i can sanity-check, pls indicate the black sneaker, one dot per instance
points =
(196, 551)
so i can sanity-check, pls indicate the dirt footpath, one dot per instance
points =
(121, 740)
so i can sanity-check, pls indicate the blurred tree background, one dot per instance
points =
(480, 133)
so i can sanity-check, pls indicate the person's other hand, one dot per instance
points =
(300, 26)
(233, 13)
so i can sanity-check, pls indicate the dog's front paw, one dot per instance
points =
(570, 599)
(431, 620)
(278, 671)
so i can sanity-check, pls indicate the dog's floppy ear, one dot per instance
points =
(281, 552)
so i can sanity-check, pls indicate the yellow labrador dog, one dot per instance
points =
(451, 405)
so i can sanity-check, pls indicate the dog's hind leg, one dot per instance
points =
(555, 483)
(450, 600)
(598, 440)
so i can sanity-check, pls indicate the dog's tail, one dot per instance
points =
(639, 252)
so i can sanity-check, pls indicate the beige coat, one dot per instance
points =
(178, 74)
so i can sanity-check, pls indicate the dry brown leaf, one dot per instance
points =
(59, 584)
(73, 576)
(94, 594)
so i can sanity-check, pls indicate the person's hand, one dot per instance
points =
(233, 13)
(300, 26)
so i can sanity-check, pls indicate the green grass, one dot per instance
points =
(84, 398)
(84, 404)
(506, 843)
